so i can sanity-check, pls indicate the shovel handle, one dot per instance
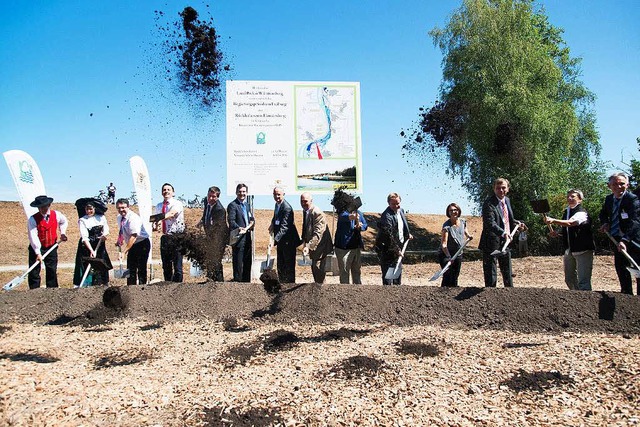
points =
(625, 253)
(544, 215)
(513, 233)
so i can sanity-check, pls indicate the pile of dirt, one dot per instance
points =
(518, 309)
(357, 366)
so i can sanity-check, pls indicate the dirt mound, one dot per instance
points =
(536, 381)
(518, 309)
(357, 366)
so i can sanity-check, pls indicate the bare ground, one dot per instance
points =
(229, 354)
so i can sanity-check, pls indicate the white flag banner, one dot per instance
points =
(142, 185)
(27, 177)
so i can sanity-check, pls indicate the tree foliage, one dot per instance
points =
(511, 104)
(634, 172)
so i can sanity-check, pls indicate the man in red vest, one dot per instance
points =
(43, 234)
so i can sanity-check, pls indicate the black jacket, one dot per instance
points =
(580, 237)
(629, 215)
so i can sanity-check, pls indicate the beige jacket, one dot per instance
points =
(316, 234)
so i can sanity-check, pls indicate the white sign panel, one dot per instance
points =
(302, 136)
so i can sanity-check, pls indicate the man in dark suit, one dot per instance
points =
(620, 217)
(285, 237)
(497, 224)
(214, 220)
(393, 232)
(241, 219)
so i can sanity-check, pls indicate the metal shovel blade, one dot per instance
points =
(393, 273)
(439, 274)
(266, 265)
(304, 262)
(121, 273)
(634, 272)
(12, 284)
(540, 206)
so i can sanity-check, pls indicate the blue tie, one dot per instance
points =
(244, 214)
(615, 218)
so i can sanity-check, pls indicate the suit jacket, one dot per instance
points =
(284, 227)
(628, 214)
(316, 234)
(493, 226)
(236, 218)
(388, 238)
(217, 223)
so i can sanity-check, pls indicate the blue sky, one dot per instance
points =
(82, 89)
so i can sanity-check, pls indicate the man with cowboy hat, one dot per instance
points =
(43, 234)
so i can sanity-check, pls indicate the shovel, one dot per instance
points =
(541, 207)
(88, 269)
(268, 264)
(304, 262)
(19, 279)
(394, 273)
(635, 270)
(446, 267)
(121, 273)
(504, 247)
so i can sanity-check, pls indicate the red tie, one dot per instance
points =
(505, 217)
(121, 232)
(164, 211)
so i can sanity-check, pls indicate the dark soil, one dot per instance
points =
(28, 357)
(537, 381)
(518, 309)
(241, 354)
(192, 45)
(357, 366)
(280, 340)
(123, 358)
(257, 417)
(342, 333)
(232, 324)
(418, 348)
(151, 327)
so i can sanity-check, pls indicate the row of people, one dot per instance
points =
(620, 217)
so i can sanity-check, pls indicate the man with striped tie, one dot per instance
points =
(620, 217)
(497, 226)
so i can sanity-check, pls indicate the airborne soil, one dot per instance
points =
(204, 353)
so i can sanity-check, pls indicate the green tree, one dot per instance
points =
(634, 172)
(511, 104)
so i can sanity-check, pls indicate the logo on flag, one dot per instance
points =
(26, 172)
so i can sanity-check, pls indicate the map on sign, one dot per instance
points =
(327, 136)
(325, 122)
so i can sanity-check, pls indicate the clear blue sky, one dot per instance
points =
(65, 60)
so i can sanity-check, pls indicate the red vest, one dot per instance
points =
(47, 230)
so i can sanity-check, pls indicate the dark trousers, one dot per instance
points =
(50, 266)
(318, 268)
(621, 263)
(171, 255)
(450, 277)
(387, 262)
(490, 271)
(241, 258)
(137, 262)
(286, 262)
